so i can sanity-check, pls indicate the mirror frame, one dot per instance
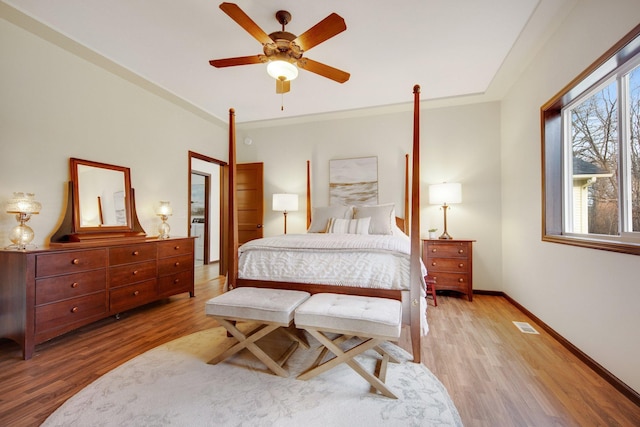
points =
(77, 208)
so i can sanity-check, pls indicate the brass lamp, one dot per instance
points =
(23, 206)
(285, 203)
(445, 194)
(164, 211)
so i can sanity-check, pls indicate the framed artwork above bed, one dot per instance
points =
(353, 182)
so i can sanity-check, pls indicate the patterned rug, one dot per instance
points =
(173, 385)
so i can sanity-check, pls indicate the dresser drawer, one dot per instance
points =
(63, 313)
(447, 264)
(131, 296)
(131, 254)
(175, 283)
(447, 250)
(70, 262)
(131, 273)
(173, 248)
(175, 264)
(68, 286)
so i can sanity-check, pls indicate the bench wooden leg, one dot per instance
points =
(248, 342)
(348, 358)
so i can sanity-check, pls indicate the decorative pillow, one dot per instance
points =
(320, 217)
(348, 226)
(382, 217)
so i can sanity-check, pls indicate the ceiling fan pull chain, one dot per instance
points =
(282, 102)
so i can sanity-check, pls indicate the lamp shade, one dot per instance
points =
(278, 69)
(23, 203)
(445, 193)
(285, 202)
(164, 209)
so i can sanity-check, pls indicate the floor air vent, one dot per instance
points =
(525, 328)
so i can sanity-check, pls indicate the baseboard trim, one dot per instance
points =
(630, 393)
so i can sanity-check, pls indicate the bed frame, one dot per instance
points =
(412, 228)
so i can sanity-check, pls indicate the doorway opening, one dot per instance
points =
(205, 205)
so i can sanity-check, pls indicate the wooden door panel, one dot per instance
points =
(250, 201)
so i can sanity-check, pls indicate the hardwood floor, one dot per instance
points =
(496, 375)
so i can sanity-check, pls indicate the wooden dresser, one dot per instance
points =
(47, 292)
(450, 264)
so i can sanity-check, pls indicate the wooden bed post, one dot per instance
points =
(407, 214)
(416, 270)
(233, 211)
(308, 194)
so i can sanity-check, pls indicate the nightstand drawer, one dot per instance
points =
(447, 264)
(448, 249)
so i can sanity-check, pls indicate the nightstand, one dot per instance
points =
(449, 263)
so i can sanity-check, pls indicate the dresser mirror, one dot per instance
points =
(100, 196)
(100, 207)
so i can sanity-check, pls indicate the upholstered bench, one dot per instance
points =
(373, 320)
(269, 309)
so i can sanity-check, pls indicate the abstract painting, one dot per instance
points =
(353, 181)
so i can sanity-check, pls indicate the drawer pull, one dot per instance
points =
(75, 261)
(135, 272)
(435, 278)
(177, 263)
(461, 280)
(433, 263)
(74, 285)
(460, 251)
(176, 247)
(74, 309)
(176, 281)
(135, 253)
(433, 250)
(136, 293)
(461, 265)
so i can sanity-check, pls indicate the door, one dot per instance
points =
(250, 201)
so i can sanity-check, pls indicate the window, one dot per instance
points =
(591, 155)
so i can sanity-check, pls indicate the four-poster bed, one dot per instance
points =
(407, 267)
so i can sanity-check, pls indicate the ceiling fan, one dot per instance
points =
(284, 51)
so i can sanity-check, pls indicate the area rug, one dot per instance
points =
(172, 385)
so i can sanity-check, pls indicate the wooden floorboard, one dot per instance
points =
(496, 375)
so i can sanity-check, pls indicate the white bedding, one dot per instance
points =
(375, 261)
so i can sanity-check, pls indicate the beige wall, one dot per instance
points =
(588, 296)
(56, 105)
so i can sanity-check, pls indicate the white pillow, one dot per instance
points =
(382, 217)
(320, 217)
(348, 226)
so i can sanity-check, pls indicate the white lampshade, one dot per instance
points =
(164, 209)
(23, 203)
(285, 202)
(445, 194)
(277, 69)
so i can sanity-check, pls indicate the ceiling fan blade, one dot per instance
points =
(323, 30)
(323, 70)
(283, 86)
(239, 60)
(242, 19)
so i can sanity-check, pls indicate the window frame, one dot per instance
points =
(553, 156)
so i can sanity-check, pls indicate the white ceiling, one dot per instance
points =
(451, 48)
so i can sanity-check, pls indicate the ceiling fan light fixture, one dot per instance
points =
(278, 69)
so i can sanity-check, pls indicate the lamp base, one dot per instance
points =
(163, 230)
(445, 236)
